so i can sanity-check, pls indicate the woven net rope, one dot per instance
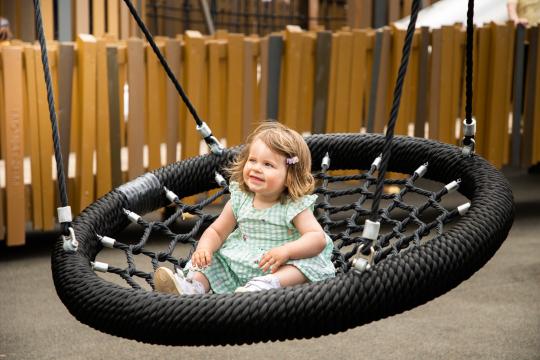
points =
(407, 271)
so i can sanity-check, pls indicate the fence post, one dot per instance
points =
(275, 48)
(173, 53)
(358, 77)
(519, 67)
(156, 106)
(13, 137)
(114, 115)
(66, 54)
(251, 90)
(323, 50)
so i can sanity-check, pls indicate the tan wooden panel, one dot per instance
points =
(86, 45)
(13, 133)
(122, 81)
(344, 45)
(292, 64)
(217, 89)
(263, 95)
(510, 50)
(98, 18)
(446, 116)
(82, 17)
(103, 141)
(173, 53)
(332, 83)
(307, 81)
(155, 98)
(45, 140)
(47, 11)
(394, 11)
(114, 110)
(137, 108)
(235, 72)
(113, 17)
(125, 19)
(382, 106)
(33, 123)
(435, 84)
(195, 54)
(358, 80)
(481, 84)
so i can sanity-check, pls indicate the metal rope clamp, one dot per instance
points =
(70, 241)
(213, 143)
(371, 232)
(469, 130)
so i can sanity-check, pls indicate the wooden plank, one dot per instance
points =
(86, 47)
(135, 124)
(122, 82)
(47, 12)
(98, 18)
(251, 90)
(435, 84)
(322, 77)
(27, 31)
(517, 89)
(103, 143)
(291, 72)
(422, 106)
(358, 80)
(235, 81)
(398, 40)
(343, 47)
(125, 22)
(114, 115)
(533, 151)
(195, 79)
(307, 80)
(263, 84)
(65, 26)
(446, 117)
(217, 89)
(381, 107)
(66, 54)
(173, 54)
(156, 106)
(394, 11)
(33, 123)
(82, 17)
(481, 78)
(332, 83)
(275, 48)
(13, 133)
(113, 18)
(45, 138)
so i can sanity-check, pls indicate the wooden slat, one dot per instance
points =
(263, 84)
(122, 81)
(33, 123)
(156, 106)
(13, 138)
(344, 47)
(135, 124)
(86, 47)
(195, 80)
(217, 72)
(531, 95)
(65, 25)
(82, 17)
(446, 116)
(235, 83)
(47, 11)
(66, 54)
(435, 83)
(113, 17)
(358, 80)
(291, 76)
(517, 96)
(103, 143)
(27, 31)
(307, 81)
(481, 78)
(45, 139)
(422, 105)
(322, 77)
(173, 54)
(114, 115)
(125, 23)
(251, 90)
(275, 49)
(534, 149)
(332, 83)
(381, 105)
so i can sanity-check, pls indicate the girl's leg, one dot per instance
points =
(289, 275)
(200, 277)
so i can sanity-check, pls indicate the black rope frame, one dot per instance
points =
(391, 286)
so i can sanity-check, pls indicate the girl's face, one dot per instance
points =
(265, 171)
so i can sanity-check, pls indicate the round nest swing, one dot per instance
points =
(404, 271)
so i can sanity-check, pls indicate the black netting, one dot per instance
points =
(342, 208)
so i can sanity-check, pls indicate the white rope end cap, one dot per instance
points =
(371, 229)
(172, 197)
(100, 266)
(64, 214)
(462, 209)
(133, 217)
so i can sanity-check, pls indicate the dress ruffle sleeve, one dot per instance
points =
(296, 207)
(237, 197)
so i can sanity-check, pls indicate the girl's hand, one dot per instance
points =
(201, 258)
(273, 259)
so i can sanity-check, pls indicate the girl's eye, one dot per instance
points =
(269, 165)
(251, 160)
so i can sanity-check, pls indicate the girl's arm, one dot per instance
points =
(311, 243)
(214, 236)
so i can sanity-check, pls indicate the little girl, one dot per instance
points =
(266, 236)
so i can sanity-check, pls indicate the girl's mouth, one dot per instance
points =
(251, 177)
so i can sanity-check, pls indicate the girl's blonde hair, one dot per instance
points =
(286, 142)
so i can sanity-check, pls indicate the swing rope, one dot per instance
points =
(62, 189)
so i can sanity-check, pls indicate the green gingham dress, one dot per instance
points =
(258, 231)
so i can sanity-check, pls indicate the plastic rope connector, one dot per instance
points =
(133, 217)
(106, 241)
(64, 214)
(421, 171)
(371, 230)
(220, 180)
(70, 242)
(100, 266)
(469, 131)
(210, 139)
(325, 163)
(462, 209)
(172, 197)
(453, 186)
(377, 162)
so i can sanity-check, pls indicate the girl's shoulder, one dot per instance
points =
(293, 208)
(238, 196)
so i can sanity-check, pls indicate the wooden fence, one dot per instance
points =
(120, 116)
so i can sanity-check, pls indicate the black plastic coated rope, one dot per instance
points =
(52, 113)
(469, 63)
(387, 149)
(163, 62)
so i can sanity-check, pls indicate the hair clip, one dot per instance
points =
(292, 160)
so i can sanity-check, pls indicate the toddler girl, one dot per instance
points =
(266, 236)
